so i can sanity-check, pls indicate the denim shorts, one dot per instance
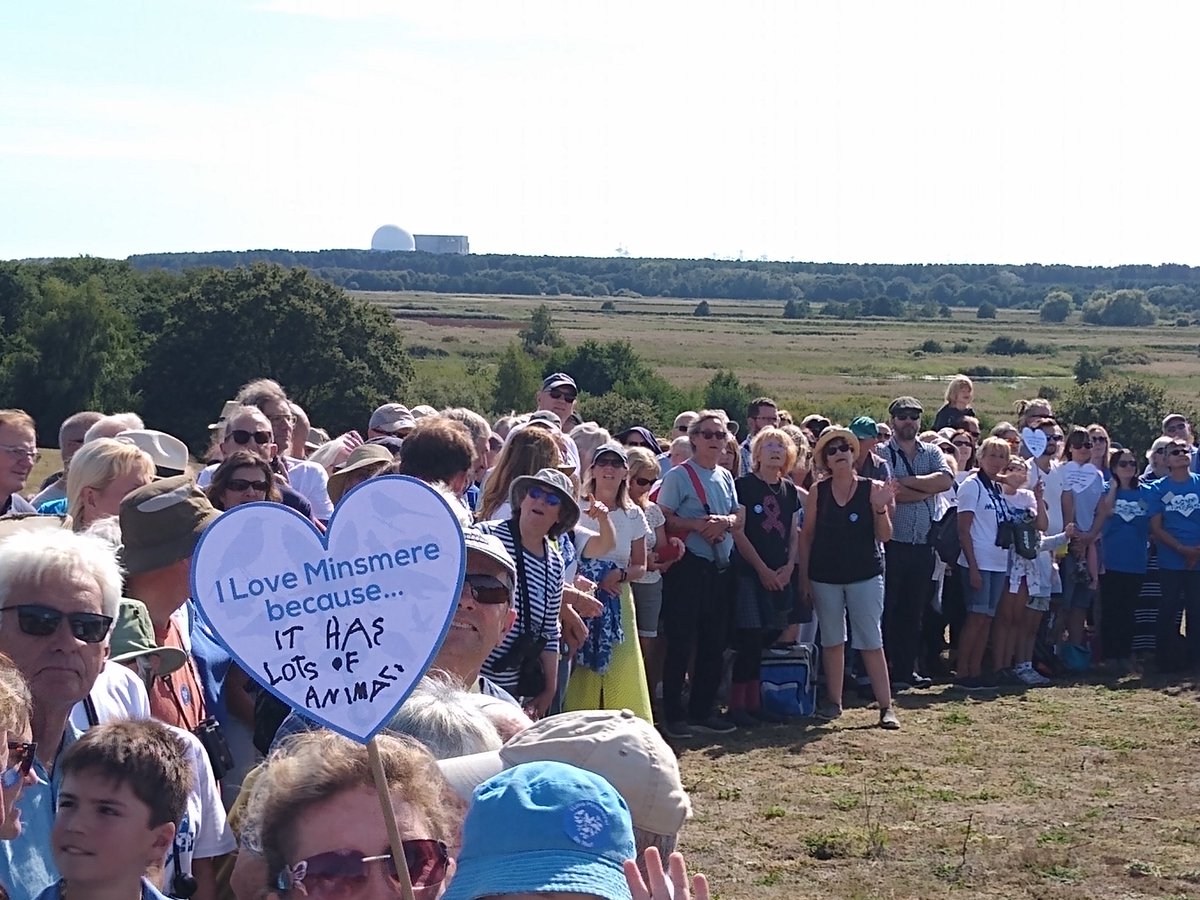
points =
(985, 600)
(862, 601)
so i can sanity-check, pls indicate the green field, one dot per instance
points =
(808, 365)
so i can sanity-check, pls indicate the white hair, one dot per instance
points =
(507, 718)
(30, 557)
(443, 717)
(111, 426)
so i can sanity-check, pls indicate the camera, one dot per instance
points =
(1004, 535)
(212, 737)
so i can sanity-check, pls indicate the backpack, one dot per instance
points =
(789, 684)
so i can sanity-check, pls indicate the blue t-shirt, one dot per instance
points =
(53, 508)
(212, 664)
(55, 892)
(1126, 533)
(1178, 502)
(26, 862)
(678, 495)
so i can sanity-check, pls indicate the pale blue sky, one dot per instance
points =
(845, 132)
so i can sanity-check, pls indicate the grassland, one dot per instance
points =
(809, 365)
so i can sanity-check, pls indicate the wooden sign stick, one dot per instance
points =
(389, 819)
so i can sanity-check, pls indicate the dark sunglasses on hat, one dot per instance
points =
(43, 621)
(242, 436)
(343, 873)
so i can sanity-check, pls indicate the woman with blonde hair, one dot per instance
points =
(587, 438)
(526, 451)
(609, 670)
(15, 706)
(100, 476)
(960, 392)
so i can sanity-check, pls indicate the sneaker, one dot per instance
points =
(742, 718)
(828, 712)
(900, 684)
(971, 684)
(1031, 676)
(678, 730)
(920, 682)
(1008, 678)
(714, 724)
(888, 719)
(764, 715)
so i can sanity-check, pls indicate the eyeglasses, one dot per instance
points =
(29, 453)
(966, 445)
(609, 462)
(682, 429)
(907, 417)
(1179, 451)
(43, 621)
(836, 447)
(547, 496)
(241, 484)
(20, 761)
(488, 589)
(569, 396)
(643, 482)
(1126, 464)
(342, 874)
(242, 436)
(1082, 445)
(713, 435)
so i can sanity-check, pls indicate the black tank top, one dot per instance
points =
(844, 549)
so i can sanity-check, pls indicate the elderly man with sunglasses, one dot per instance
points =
(558, 396)
(59, 593)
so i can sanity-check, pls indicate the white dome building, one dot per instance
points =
(392, 237)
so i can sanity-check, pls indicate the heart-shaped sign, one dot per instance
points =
(339, 626)
(1035, 441)
(1076, 477)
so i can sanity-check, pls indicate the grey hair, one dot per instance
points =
(260, 391)
(443, 717)
(111, 426)
(29, 557)
(475, 423)
(246, 409)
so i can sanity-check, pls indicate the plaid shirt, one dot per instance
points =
(912, 521)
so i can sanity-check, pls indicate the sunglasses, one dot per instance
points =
(1179, 451)
(1161, 450)
(682, 429)
(547, 496)
(1177, 426)
(43, 621)
(713, 435)
(837, 447)
(643, 482)
(964, 444)
(20, 761)
(242, 436)
(609, 462)
(241, 484)
(1099, 439)
(974, 434)
(342, 874)
(907, 417)
(1126, 464)
(569, 396)
(488, 589)
(1054, 438)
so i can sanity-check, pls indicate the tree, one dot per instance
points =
(986, 310)
(725, 391)
(1088, 368)
(617, 412)
(71, 349)
(796, 309)
(597, 367)
(338, 357)
(1120, 308)
(701, 309)
(541, 331)
(1131, 409)
(516, 381)
(1056, 307)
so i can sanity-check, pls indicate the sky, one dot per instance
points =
(889, 132)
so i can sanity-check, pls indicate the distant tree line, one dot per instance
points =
(848, 291)
(98, 334)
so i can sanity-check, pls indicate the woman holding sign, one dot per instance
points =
(526, 662)
(1083, 488)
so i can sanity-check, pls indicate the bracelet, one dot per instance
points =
(881, 512)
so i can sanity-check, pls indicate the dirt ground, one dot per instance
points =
(1081, 791)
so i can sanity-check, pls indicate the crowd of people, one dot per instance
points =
(621, 593)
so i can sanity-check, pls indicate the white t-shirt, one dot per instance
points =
(307, 479)
(629, 525)
(204, 832)
(654, 520)
(117, 694)
(1052, 488)
(973, 497)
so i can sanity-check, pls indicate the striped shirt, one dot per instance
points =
(545, 577)
(912, 520)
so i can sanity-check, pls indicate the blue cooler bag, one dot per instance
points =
(789, 683)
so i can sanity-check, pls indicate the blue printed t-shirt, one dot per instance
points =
(53, 508)
(55, 892)
(1178, 502)
(1126, 532)
(26, 862)
(678, 495)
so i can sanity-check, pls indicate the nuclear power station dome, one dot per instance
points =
(392, 237)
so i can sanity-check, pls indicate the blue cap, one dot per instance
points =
(543, 827)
